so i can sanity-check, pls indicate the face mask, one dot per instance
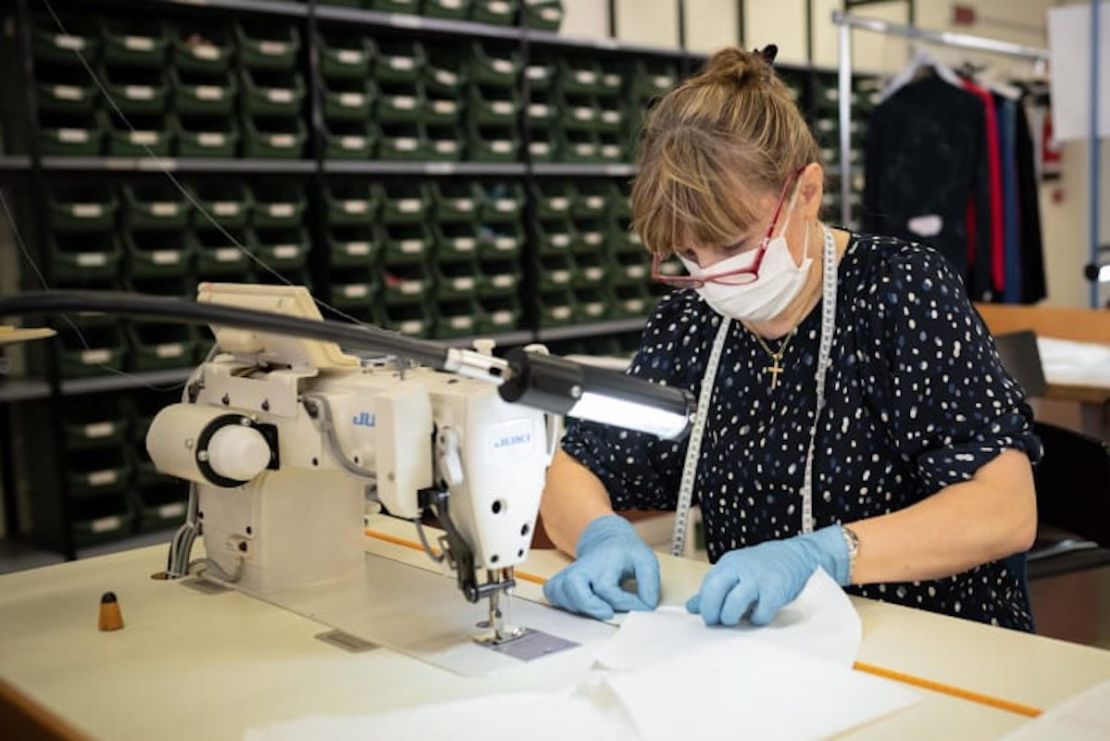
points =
(778, 283)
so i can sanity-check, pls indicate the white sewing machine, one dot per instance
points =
(287, 439)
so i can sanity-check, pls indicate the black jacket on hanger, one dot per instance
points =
(1033, 287)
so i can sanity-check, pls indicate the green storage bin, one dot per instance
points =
(557, 307)
(350, 246)
(139, 136)
(270, 137)
(629, 267)
(444, 72)
(267, 46)
(456, 279)
(399, 60)
(81, 208)
(591, 268)
(554, 235)
(456, 318)
(156, 345)
(349, 99)
(403, 141)
(401, 102)
(592, 305)
(72, 135)
(499, 276)
(503, 239)
(283, 248)
(488, 105)
(135, 42)
(204, 136)
(203, 49)
(456, 9)
(444, 142)
(589, 235)
(345, 56)
(592, 199)
(410, 283)
(579, 112)
(351, 140)
(620, 201)
(353, 288)
(405, 243)
(541, 71)
(156, 254)
(159, 506)
(98, 350)
(394, 6)
(546, 15)
(410, 319)
(611, 85)
(278, 203)
(170, 286)
(543, 108)
(610, 115)
(271, 277)
(442, 110)
(203, 94)
(156, 205)
(631, 300)
(227, 201)
(350, 202)
(62, 89)
(97, 422)
(493, 66)
(556, 271)
(543, 146)
(456, 200)
(579, 75)
(620, 236)
(496, 12)
(101, 520)
(222, 254)
(580, 146)
(53, 47)
(270, 92)
(493, 143)
(553, 198)
(500, 313)
(614, 147)
(405, 202)
(502, 201)
(456, 240)
(84, 256)
(136, 90)
(652, 78)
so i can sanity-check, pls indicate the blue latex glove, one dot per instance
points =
(765, 578)
(609, 551)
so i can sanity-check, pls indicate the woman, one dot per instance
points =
(919, 460)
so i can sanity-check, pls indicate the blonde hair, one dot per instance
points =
(711, 148)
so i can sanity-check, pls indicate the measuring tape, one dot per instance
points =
(824, 360)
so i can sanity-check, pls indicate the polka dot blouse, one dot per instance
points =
(917, 401)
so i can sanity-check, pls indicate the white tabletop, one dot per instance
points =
(195, 665)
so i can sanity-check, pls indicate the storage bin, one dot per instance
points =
(631, 300)
(226, 201)
(345, 56)
(350, 246)
(160, 506)
(444, 72)
(456, 9)
(97, 422)
(543, 146)
(136, 90)
(278, 204)
(267, 46)
(73, 135)
(613, 147)
(579, 75)
(138, 136)
(168, 286)
(557, 307)
(158, 254)
(98, 350)
(556, 271)
(93, 255)
(82, 35)
(203, 49)
(350, 202)
(496, 106)
(456, 318)
(399, 60)
(610, 115)
(157, 345)
(270, 93)
(444, 142)
(456, 200)
(632, 267)
(543, 109)
(222, 255)
(204, 136)
(411, 319)
(578, 112)
(493, 143)
(410, 283)
(134, 42)
(404, 202)
(80, 208)
(498, 276)
(271, 277)
(541, 70)
(101, 520)
(554, 235)
(591, 305)
(589, 235)
(405, 243)
(203, 94)
(282, 248)
(154, 205)
(546, 15)
(442, 110)
(501, 239)
(590, 268)
(273, 137)
(403, 141)
(591, 199)
(456, 240)
(496, 12)
(493, 66)
(581, 146)
(500, 313)
(353, 287)
(456, 279)
(501, 201)
(60, 89)
(652, 78)
(553, 198)
(401, 102)
(394, 6)
(352, 140)
(349, 99)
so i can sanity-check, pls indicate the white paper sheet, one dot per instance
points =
(1084, 717)
(821, 622)
(752, 690)
(1075, 363)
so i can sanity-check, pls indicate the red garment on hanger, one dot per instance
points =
(994, 181)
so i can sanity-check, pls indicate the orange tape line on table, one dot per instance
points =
(879, 671)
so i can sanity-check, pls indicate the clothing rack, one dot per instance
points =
(847, 22)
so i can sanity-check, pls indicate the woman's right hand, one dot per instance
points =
(609, 552)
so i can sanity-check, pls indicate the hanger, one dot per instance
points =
(920, 61)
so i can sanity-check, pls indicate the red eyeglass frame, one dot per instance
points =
(689, 281)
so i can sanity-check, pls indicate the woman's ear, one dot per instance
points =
(812, 182)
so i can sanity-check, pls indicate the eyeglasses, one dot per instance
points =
(738, 277)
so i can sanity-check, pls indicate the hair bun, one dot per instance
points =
(741, 68)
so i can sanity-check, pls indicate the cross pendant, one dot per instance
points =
(774, 370)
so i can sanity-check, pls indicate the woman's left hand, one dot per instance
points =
(763, 579)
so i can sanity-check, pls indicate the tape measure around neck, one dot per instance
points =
(697, 432)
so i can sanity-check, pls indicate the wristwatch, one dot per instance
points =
(852, 541)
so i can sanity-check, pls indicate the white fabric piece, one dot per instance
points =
(821, 623)
(752, 690)
(928, 225)
(1075, 363)
(1084, 717)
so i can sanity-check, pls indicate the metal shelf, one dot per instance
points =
(378, 19)
(599, 43)
(593, 329)
(266, 7)
(503, 339)
(15, 162)
(560, 169)
(189, 164)
(23, 389)
(98, 384)
(379, 167)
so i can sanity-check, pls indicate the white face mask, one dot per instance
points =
(778, 283)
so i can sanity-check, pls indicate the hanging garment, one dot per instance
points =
(992, 217)
(1006, 113)
(1033, 286)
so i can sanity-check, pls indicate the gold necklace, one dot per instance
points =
(776, 357)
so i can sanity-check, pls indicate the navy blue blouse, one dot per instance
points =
(917, 400)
